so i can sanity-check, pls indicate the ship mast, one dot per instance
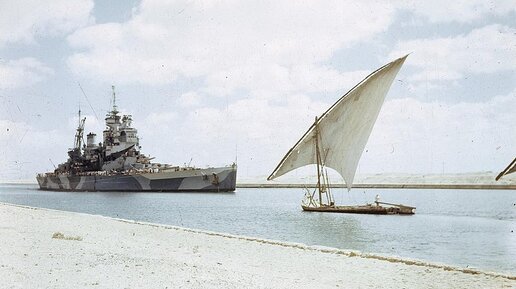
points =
(115, 108)
(80, 130)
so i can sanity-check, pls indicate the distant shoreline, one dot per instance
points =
(388, 186)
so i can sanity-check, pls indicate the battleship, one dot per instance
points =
(116, 164)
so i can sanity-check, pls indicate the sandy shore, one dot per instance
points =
(52, 249)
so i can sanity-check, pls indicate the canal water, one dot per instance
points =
(466, 228)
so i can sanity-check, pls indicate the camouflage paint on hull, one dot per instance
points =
(211, 179)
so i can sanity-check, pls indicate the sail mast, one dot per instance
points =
(318, 157)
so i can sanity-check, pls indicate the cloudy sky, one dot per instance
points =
(211, 81)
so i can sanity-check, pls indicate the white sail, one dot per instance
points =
(344, 128)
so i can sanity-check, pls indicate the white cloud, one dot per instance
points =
(483, 50)
(27, 150)
(463, 11)
(22, 72)
(190, 99)
(416, 136)
(23, 20)
(161, 119)
(92, 124)
(270, 61)
(410, 136)
(23, 147)
(296, 78)
(260, 129)
(166, 39)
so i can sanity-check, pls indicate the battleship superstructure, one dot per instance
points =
(116, 164)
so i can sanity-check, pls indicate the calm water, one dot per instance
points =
(459, 227)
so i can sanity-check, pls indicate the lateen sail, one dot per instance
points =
(344, 128)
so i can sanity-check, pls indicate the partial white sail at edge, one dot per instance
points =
(511, 168)
(344, 128)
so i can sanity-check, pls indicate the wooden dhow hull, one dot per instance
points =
(366, 209)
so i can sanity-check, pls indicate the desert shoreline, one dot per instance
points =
(385, 186)
(59, 249)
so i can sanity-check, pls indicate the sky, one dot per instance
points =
(213, 82)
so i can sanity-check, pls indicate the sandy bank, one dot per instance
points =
(45, 248)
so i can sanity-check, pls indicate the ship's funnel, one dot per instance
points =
(90, 139)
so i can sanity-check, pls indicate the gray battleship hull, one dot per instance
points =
(200, 180)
